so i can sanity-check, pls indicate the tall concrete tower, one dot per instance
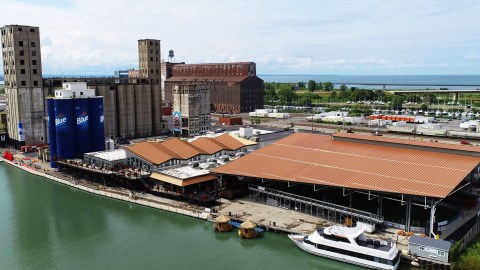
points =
(149, 60)
(23, 84)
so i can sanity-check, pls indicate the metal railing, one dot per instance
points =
(325, 210)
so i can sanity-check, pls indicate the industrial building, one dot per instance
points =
(412, 185)
(166, 71)
(75, 122)
(191, 109)
(234, 87)
(149, 60)
(153, 156)
(22, 65)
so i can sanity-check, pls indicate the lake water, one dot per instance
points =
(458, 81)
(45, 225)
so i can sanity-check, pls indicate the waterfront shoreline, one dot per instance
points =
(113, 195)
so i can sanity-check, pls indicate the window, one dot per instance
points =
(35, 83)
(34, 53)
(21, 53)
(22, 62)
(34, 62)
(151, 58)
(32, 44)
(34, 71)
(20, 29)
(441, 253)
(22, 71)
(23, 83)
(33, 30)
(20, 43)
(81, 93)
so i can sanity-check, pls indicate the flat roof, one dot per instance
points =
(321, 160)
(429, 242)
(185, 172)
(117, 154)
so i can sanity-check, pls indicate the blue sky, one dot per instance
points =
(374, 37)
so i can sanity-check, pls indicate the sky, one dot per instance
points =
(368, 37)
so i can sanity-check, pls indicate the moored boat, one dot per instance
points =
(349, 245)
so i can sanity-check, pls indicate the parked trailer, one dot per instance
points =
(401, 129)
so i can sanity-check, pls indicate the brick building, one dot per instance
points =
(234, 87)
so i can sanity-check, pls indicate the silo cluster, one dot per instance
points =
(75, 126)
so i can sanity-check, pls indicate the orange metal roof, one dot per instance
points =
(175, 148)
(229, 141)
(153, 152)
(182, 148)
(209, 145)
(318, 159)
(460, 147)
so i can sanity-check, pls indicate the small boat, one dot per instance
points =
(349, 245)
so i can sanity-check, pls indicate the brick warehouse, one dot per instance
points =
(234, 87)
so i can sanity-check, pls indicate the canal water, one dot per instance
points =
(45, 225)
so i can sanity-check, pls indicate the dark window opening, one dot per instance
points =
(33, 30)
(34, 71)
(32, 44)
(22, 62)
(34, 62)
(20, 43)
(22, 71)
(34, 53)
(21, 53)
(23, 83)
(35, 83)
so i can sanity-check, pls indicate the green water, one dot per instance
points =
(45, 225)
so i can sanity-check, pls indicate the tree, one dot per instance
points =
(328, 86)
(319, 86)
(312, 85)
(286, 95)
(343, 87)
(424, 107)
(306, 99)
(333, 95)
(397, 102)
(301, 85)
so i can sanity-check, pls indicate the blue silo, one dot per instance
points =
(65, 124)
(97, 126)
(82, 125)
(52, 140)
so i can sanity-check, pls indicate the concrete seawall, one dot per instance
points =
(109, 194)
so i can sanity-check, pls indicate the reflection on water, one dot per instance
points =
(46, 225)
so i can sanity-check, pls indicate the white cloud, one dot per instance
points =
(472, 56)
(371, 36)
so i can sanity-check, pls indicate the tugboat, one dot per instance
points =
(349, 245)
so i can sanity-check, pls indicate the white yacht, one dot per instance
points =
(349, 245)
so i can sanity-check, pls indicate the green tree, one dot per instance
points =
(328, 86)
(301, 85)
(320, 86)
(343, 87)
(312, 85)
(333, 95)
(286, 95)
(424, 107)
(306, 99)
(429, 98)
(397, 102)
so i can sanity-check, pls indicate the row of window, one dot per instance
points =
(19, 29)
(22, 83)
(354, 254)
(32, 43)
(20, 53)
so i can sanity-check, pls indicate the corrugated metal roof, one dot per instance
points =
(319, 159)
(209, 145)
(175, 148)
(182, 182)
(429, 242)
(230, 141)
(459, 147)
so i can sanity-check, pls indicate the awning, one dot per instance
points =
(182, 182)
